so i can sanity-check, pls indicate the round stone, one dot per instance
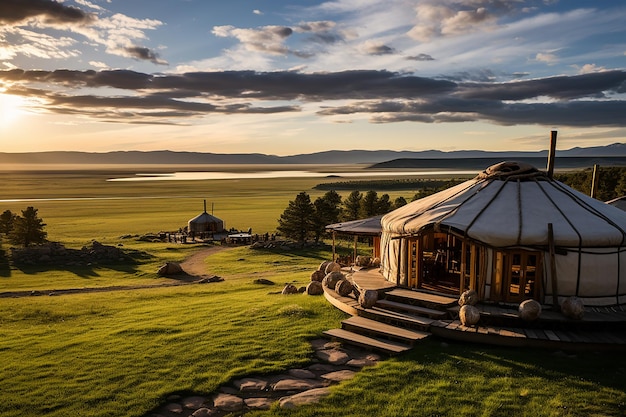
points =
(529, 310)
(469, 315)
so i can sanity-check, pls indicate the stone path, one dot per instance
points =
(331, 364)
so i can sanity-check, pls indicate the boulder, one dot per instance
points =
(343, 287)
(289, 289)
(314, 288)
(363, 261)
(368, 298)
(318, 275)
(323, 266)
(529, 310)
(332, 267)
(331, 279)
(170, 268)
(469, 297)
(469, 315)
(573, 308)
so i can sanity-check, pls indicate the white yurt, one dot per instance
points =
(205, 223)
(512, 233)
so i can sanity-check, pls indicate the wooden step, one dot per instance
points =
(368, 326)
(418, 310)
(424, 298)
(394, 317)
(367, 342)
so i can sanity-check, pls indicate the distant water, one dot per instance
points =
(225, 175)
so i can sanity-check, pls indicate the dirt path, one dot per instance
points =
(194, 267)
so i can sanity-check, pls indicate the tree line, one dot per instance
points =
(304, 219)
(611, 182)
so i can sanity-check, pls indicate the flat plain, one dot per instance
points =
(122, 353)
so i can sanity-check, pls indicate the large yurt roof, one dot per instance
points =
(511, 204)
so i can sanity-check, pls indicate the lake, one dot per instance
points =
(261, 174)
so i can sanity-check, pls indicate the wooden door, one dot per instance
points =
(523, 275)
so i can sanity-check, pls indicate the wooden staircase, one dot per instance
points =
(399, 319)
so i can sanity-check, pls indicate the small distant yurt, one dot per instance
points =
(205, 223)
(512, 233)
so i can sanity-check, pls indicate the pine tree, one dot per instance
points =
(369, 204)
(384, 205)
(399, 202)
(28, 228)
(327, 210)
(297, 220)
(6, 222)
(352, 206)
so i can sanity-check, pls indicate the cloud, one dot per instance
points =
(586, 100)
(371, 47)
(257, 12)
(548, 58)
(24, 19)
(47, 12)
(140, 52)
(268, 39)
(434, 18)
(420, 57)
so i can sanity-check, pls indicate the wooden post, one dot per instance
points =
(334, 235)
(594, 181)
(555, 300)
(552, 154)
(355, 244)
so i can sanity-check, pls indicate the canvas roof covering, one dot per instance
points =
(511, 204)
(370, 226)
(200, 222)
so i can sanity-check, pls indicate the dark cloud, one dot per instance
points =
(420, 57)
(146, 54)
(49, 11)
(562, 87)
(580, 100)
(374, 48)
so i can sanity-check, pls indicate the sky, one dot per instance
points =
(303, 76)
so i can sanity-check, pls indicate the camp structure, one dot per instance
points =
(619, 202)
(369, 227)
(511, 233)
(205, 223)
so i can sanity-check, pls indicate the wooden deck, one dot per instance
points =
(401, 313)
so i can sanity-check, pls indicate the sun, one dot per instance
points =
(10, 109)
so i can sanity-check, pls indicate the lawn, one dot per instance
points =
(121, 353)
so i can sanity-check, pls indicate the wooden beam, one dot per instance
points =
(555, 300)
(552, 154)
(594, 181)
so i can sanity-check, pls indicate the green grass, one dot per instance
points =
(469, 380)
(122, 353)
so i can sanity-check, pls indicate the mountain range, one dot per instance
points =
(326, 157)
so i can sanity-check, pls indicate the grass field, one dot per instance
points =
(121, 353)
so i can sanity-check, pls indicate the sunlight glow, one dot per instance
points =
(10, 109)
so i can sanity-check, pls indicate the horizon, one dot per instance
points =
(320, 152)
(300, 77)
